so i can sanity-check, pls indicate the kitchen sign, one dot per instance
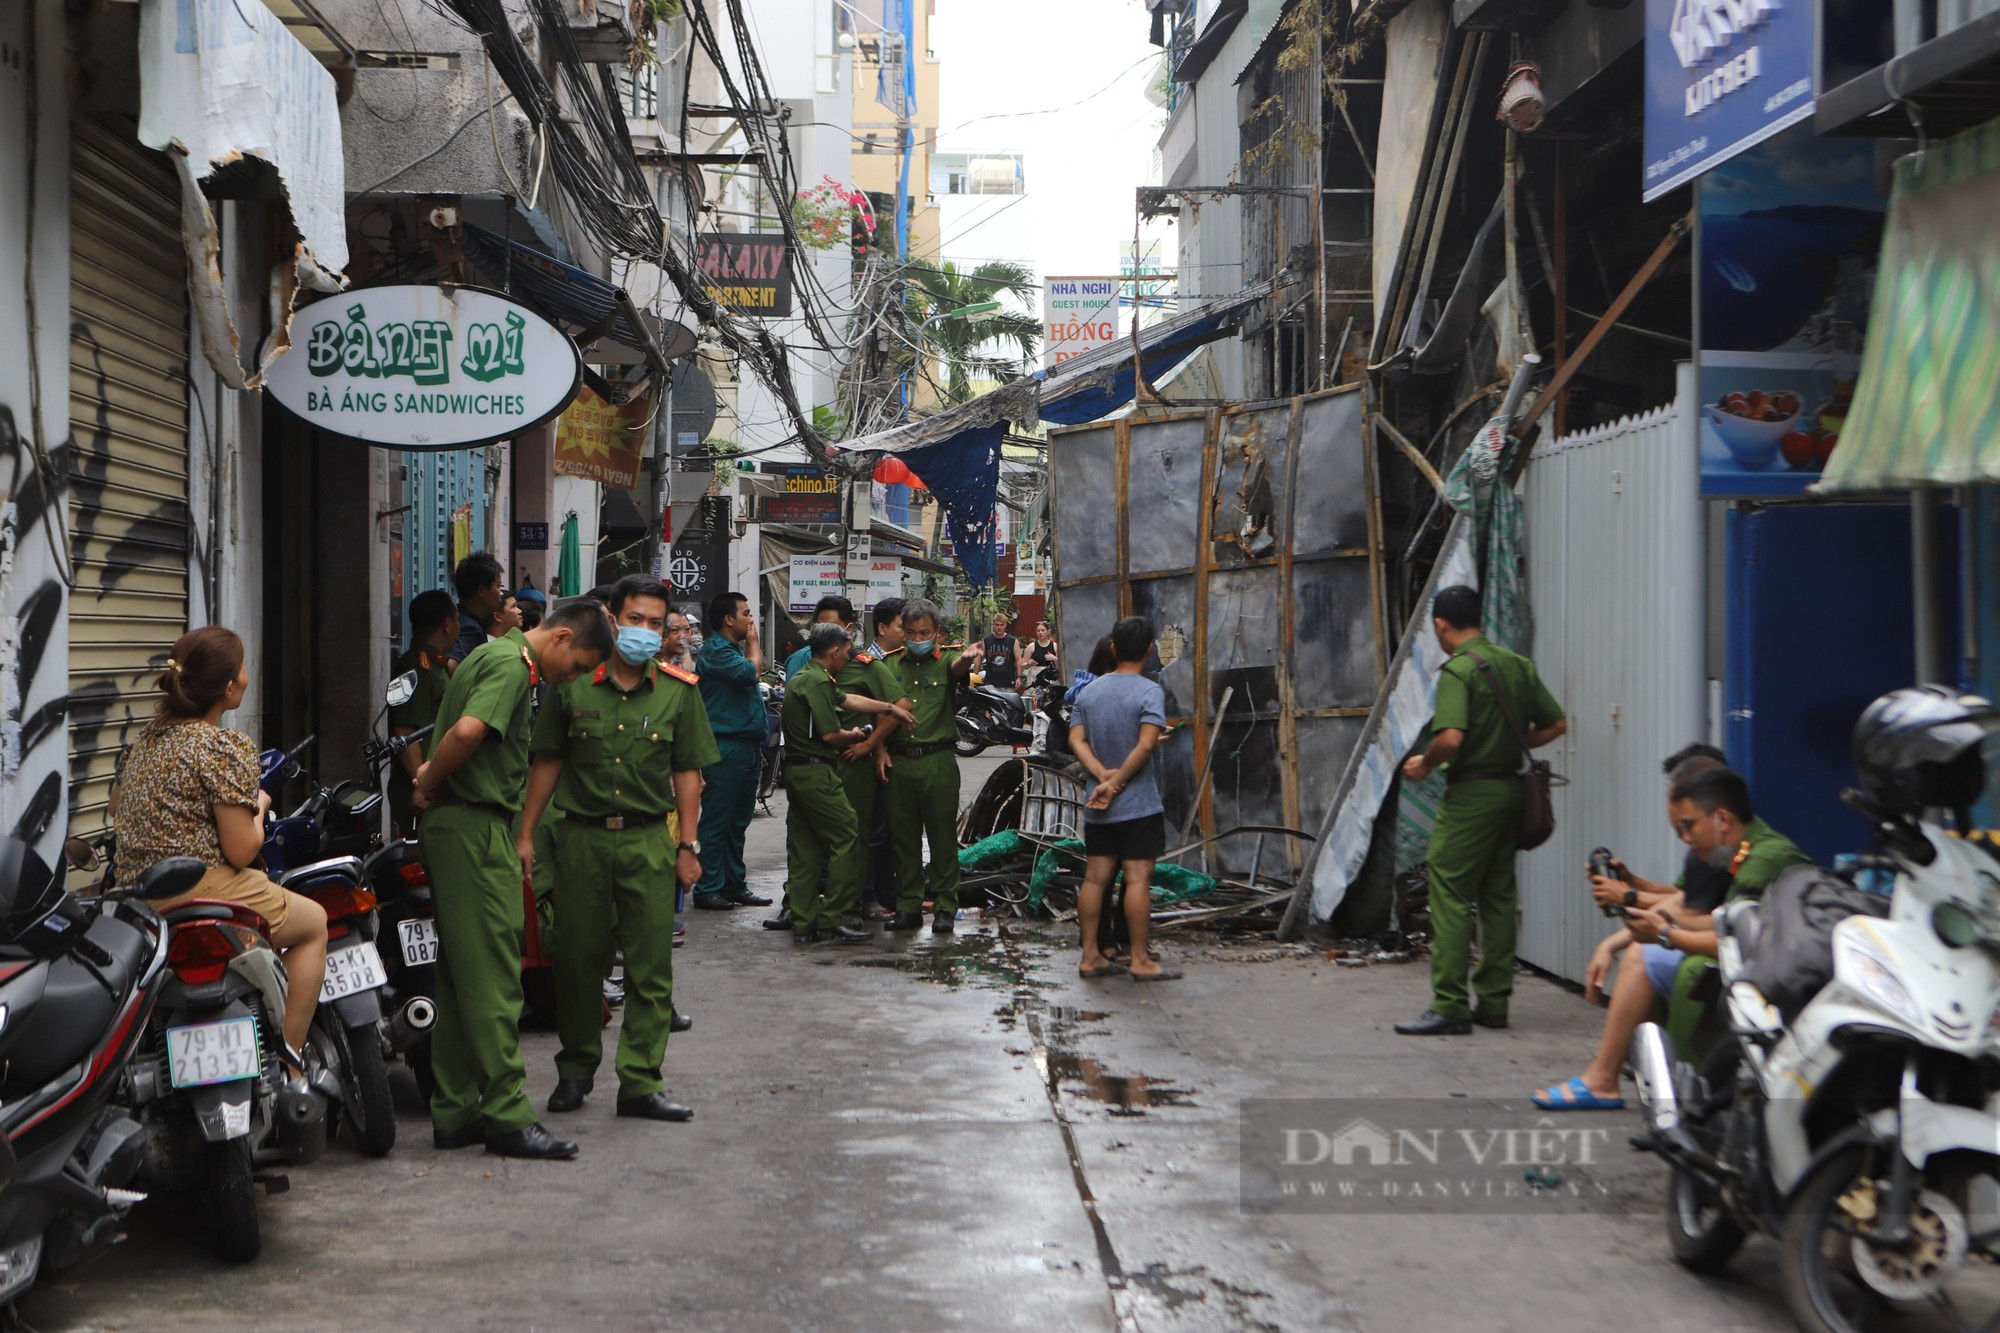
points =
(1722, 76)
(425, 367)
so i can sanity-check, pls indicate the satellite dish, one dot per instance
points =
(695, 406)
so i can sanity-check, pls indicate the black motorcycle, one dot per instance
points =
(987, 716)
(78, 982)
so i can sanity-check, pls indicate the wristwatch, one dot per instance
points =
(1667, 936)
(1631, 897)
(694, 847)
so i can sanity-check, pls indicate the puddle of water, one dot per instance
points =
(1126, 1094)
(994, 961)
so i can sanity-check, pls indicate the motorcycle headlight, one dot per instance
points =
(1874, 976)
(18, 1264)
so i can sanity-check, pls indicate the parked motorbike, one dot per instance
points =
(988, 715)
(210, 1080)
(347, 1029)
(1047, 689)
(1855, 1120)
(78, 981)
(774, 741)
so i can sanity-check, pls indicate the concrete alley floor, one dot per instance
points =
(952, 1133)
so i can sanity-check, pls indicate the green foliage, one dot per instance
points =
(958, 343)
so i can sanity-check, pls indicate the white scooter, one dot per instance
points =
(1859, 1126)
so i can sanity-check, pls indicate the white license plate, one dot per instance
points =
(420, 941)
(356, 968)
(213, 1052)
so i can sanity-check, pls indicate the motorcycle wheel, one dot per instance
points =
(373, 1111)
(967, 743)
(418, 1058)
(1703, 1235)
(774, 773)
(232, 1202)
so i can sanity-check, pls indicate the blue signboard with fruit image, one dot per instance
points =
(1790, 232)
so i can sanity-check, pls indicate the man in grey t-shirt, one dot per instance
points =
(1117, 723)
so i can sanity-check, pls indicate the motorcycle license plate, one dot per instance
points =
(213, 1052)
(353, 969)
(420, 941)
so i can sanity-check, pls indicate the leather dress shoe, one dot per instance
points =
(745, 898)
(782, 921)
(1431, 1023)
(877, 912)
(532, 1141)
(714, 902)
(1486, 1020)
(907, 921)
(569, 1094)
(943, 923)
(465, 1136)
(654, 1106)
(846, 934)
(680, 1022)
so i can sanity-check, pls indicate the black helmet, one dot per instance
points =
(1919, 748)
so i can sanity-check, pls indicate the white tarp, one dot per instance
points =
(1415, 51)
(221, 80)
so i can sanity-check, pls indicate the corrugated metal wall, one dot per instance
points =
(436, 484)
(1615, 561)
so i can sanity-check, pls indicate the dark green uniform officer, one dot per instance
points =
(619, 751)
(1477, 834)
(475, 780)
(420, 710)
(923, 784)
(825, 835)
(869, 675)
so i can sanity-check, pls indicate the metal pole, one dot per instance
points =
(1927, 592)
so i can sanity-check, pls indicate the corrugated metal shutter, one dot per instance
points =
(128, 478)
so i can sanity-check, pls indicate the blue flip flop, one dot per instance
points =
(1575, 1095)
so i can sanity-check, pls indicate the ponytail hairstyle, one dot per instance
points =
(200, 670)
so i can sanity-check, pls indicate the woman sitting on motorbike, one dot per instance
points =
(186, 787)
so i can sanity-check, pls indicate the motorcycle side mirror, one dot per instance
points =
(402, 689)
(79, 854)
(169, 878)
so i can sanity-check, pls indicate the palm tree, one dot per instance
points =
(957, 342)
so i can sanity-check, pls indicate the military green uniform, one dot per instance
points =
(1757, 861)
(615, 858)
(870, 676)
(1479, 825)
(923, 784)
(417, 712)
(825, 836)
(468, 846)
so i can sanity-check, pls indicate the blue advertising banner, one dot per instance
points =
(1721, 76)
(1790, 235)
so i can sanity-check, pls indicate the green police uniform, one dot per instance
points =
(923, 784)
(825, 837)
(729, 798)
(468, 846)
(1757, 861)
(1478, 828)
(870, 676)
(417, 712)
(615, 858)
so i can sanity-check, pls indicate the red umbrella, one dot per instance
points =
(892, 470)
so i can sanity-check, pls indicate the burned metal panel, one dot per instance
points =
(1163, 497)
(1174, 769)
(1088, 613)
(1169, 604)
(1333, 649)
(1247, 520)
(1324, 746)
(1244, 640)
(1249, 784)
(1330, 496)
(1084, 480)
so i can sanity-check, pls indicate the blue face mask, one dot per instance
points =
(636, 643)
(921, 647)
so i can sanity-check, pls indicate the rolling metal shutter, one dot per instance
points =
(128, 475)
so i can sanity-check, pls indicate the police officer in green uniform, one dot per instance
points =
(729, 663)
(923, 776)
(1478, 828)
(471, 791)
(828, 856)
(433, 628)
(620, 749)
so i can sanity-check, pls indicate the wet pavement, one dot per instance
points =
(921, 1133)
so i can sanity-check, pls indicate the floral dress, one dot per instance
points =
(169, 782)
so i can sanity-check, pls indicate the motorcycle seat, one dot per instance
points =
(214, 909)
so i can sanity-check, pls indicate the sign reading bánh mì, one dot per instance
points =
(425, 367)
(749, 272)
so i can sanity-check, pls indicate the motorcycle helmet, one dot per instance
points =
(1921, 748)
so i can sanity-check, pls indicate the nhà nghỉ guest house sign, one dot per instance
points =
(425, 367)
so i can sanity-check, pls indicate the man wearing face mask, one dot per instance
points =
(620, 750)
(923, 772)
(1710, 809)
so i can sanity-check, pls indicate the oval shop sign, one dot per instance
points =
(425, 367)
